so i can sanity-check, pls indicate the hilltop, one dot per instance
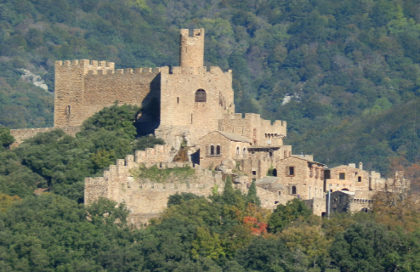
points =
(338, 72)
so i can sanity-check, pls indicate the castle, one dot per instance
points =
(192, 106)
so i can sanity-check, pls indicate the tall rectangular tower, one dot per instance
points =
(193, 97)
(192, 48)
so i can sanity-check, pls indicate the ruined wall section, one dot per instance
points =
(25, 133)
(22, 134)
(262, 132)
(84, 87)
(181, 114)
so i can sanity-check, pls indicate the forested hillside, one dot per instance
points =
(344, 74)
(44, 225)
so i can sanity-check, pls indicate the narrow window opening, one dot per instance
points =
(200, 96)
(212, 150)
(218, 150)
(191, 118)
(359, 179)
(327, 174)
(68, 110)
(294, 191)
(342, 176)
(291, 171)
(177, 100)
(254, 173)
(237, 150)
(274, 172)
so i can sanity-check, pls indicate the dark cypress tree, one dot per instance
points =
(228, 192)
(252, 194)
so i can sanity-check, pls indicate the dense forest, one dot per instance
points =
(44, 225)
(344, 74)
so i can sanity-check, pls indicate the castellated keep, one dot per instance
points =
(191, 107)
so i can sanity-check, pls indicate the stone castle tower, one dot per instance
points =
(186, 100)
(192, 48)
(194, 104)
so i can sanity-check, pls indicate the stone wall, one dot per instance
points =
(192, 48)
(144, 198)
(262, 132)
(84, 87)
(229, 149)
(25, 133)
(348, 177)
(182, 113)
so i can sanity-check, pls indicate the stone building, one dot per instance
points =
(193, 105)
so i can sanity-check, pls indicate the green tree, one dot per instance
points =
(311, 241)
(120, 119)
(370, 247)
(269, 255)
(177, 199)
(6, 139)
(252, 194)
(53, 233)
(284, 215)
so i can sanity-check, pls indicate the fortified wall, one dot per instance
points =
(192, 105)
(146, 198)
(84, 87)
(183, 111)
(252, 126)
(25, 133)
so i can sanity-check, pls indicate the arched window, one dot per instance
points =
(68, 110)
(212, 150)
(218, 150)
(294, 191)
(244, 151)
(274, 172)
(200, 95)
(237, 150)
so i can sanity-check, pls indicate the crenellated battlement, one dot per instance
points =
(129, 71)
(192, 48)
(144, 197)
(85, 64)
(95, 67)
(253, 117)
(201, 70)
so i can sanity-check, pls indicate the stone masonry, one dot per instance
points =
(192, 106)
